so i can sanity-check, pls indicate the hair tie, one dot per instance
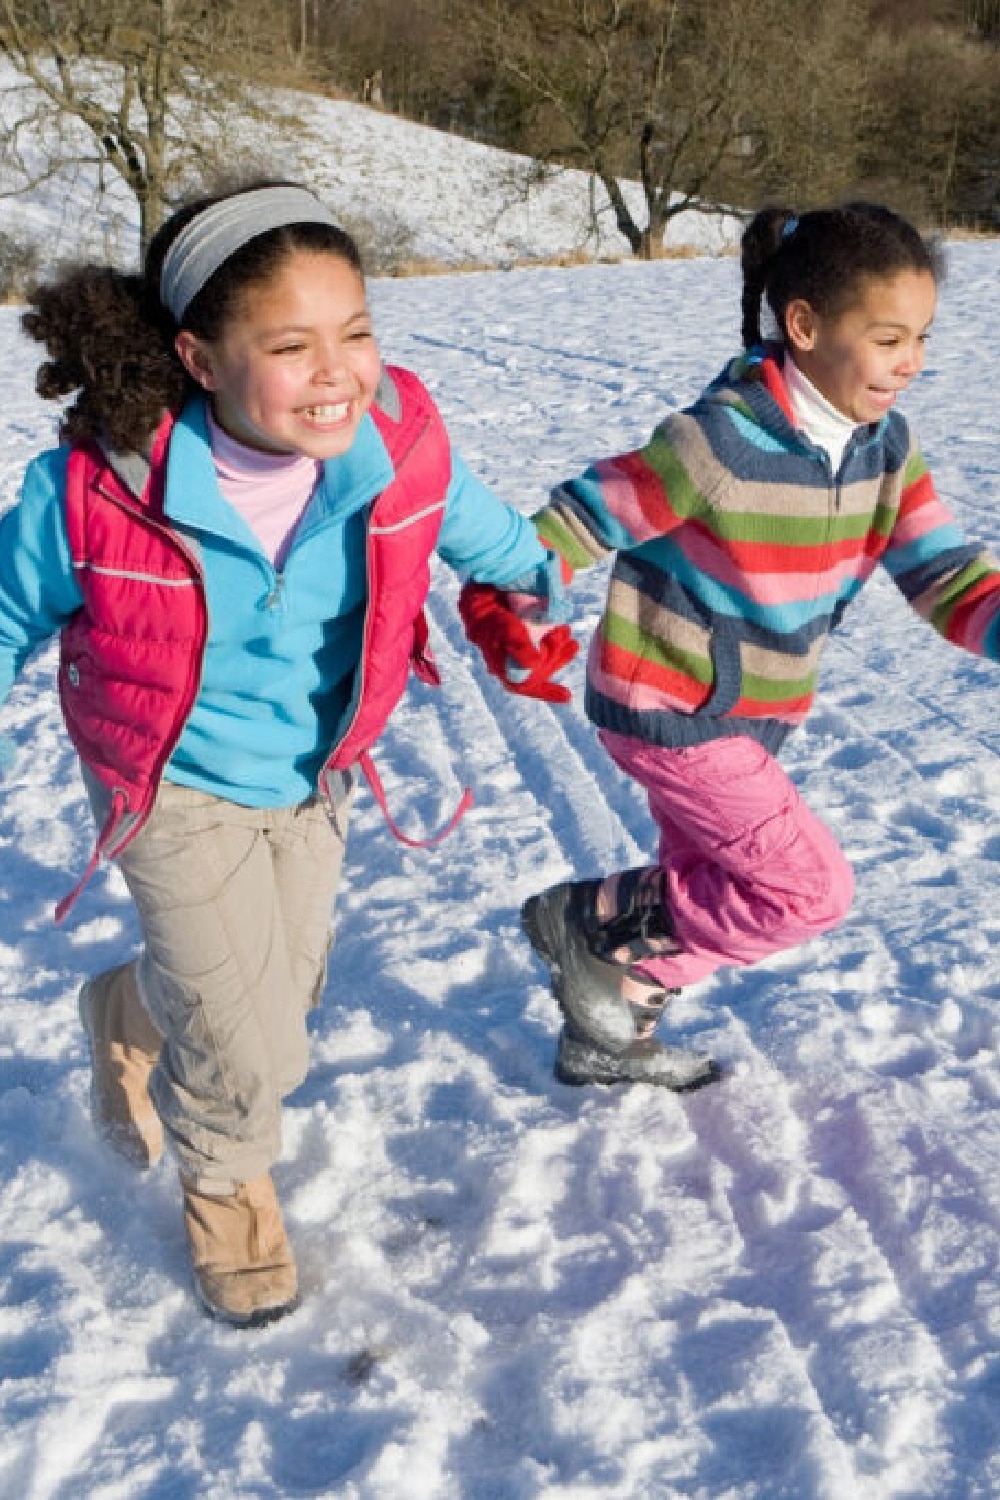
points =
(212, 236)
(789, 227)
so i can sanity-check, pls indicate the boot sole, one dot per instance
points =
(675, 1068)
(566, 1075)
(259, 1318)
(604, 1018)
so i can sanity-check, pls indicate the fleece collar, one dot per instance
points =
(194, 500)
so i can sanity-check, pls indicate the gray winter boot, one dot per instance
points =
(608, 1038)
(586, 987)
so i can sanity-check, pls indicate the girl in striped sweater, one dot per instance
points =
(741, 532)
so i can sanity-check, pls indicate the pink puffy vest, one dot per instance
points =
(130, 660)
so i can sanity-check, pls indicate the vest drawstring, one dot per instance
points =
(119, 806)
(378, 790)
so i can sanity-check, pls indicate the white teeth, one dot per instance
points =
(328, 413)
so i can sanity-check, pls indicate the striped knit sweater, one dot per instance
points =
(738, 551)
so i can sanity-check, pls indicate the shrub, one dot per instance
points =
(20, 261)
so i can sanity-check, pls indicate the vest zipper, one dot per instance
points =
(198, 654)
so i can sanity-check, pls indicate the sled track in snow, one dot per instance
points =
(834, 1230)
(803, 1222)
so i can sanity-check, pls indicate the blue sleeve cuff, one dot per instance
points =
(546, 582)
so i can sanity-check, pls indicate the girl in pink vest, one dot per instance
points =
(233, 544)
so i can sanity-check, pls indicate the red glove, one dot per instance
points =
(524, 656)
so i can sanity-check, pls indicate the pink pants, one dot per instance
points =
(749, 870)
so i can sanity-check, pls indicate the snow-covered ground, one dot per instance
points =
(785, 1285)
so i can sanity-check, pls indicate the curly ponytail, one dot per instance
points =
(102, 343)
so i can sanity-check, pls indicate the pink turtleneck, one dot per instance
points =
(269, 490)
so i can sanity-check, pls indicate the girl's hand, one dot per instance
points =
(525, 654)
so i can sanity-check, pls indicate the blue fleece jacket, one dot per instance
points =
(282, 647)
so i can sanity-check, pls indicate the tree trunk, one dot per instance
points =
(623, 218)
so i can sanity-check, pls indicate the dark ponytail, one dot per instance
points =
(825, 257)
(760, 244)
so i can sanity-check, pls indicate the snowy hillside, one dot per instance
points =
(421, 195)
(784, 1287)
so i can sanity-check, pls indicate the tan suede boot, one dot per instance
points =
(244, 1270)
(124, 1047)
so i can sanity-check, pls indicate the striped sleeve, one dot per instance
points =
(952, 583)
(622, 502)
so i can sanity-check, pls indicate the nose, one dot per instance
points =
(330, 363)
(912, 361)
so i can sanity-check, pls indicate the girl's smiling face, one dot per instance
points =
(297, 366)
(864, 357)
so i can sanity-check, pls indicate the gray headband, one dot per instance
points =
(220, 230)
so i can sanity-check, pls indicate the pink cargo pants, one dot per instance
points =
(749, 869)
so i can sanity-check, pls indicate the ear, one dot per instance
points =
(196, 357)
(801, 325)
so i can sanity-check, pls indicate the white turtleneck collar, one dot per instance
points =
(814, 415)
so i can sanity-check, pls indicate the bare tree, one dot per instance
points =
(138, 88)
(690, 97)
(943, 162)
(416, 48)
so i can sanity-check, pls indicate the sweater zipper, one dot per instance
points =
(276, 596)
(366, 633)
(360, 684)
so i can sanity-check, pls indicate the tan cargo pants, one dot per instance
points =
(235, 906)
